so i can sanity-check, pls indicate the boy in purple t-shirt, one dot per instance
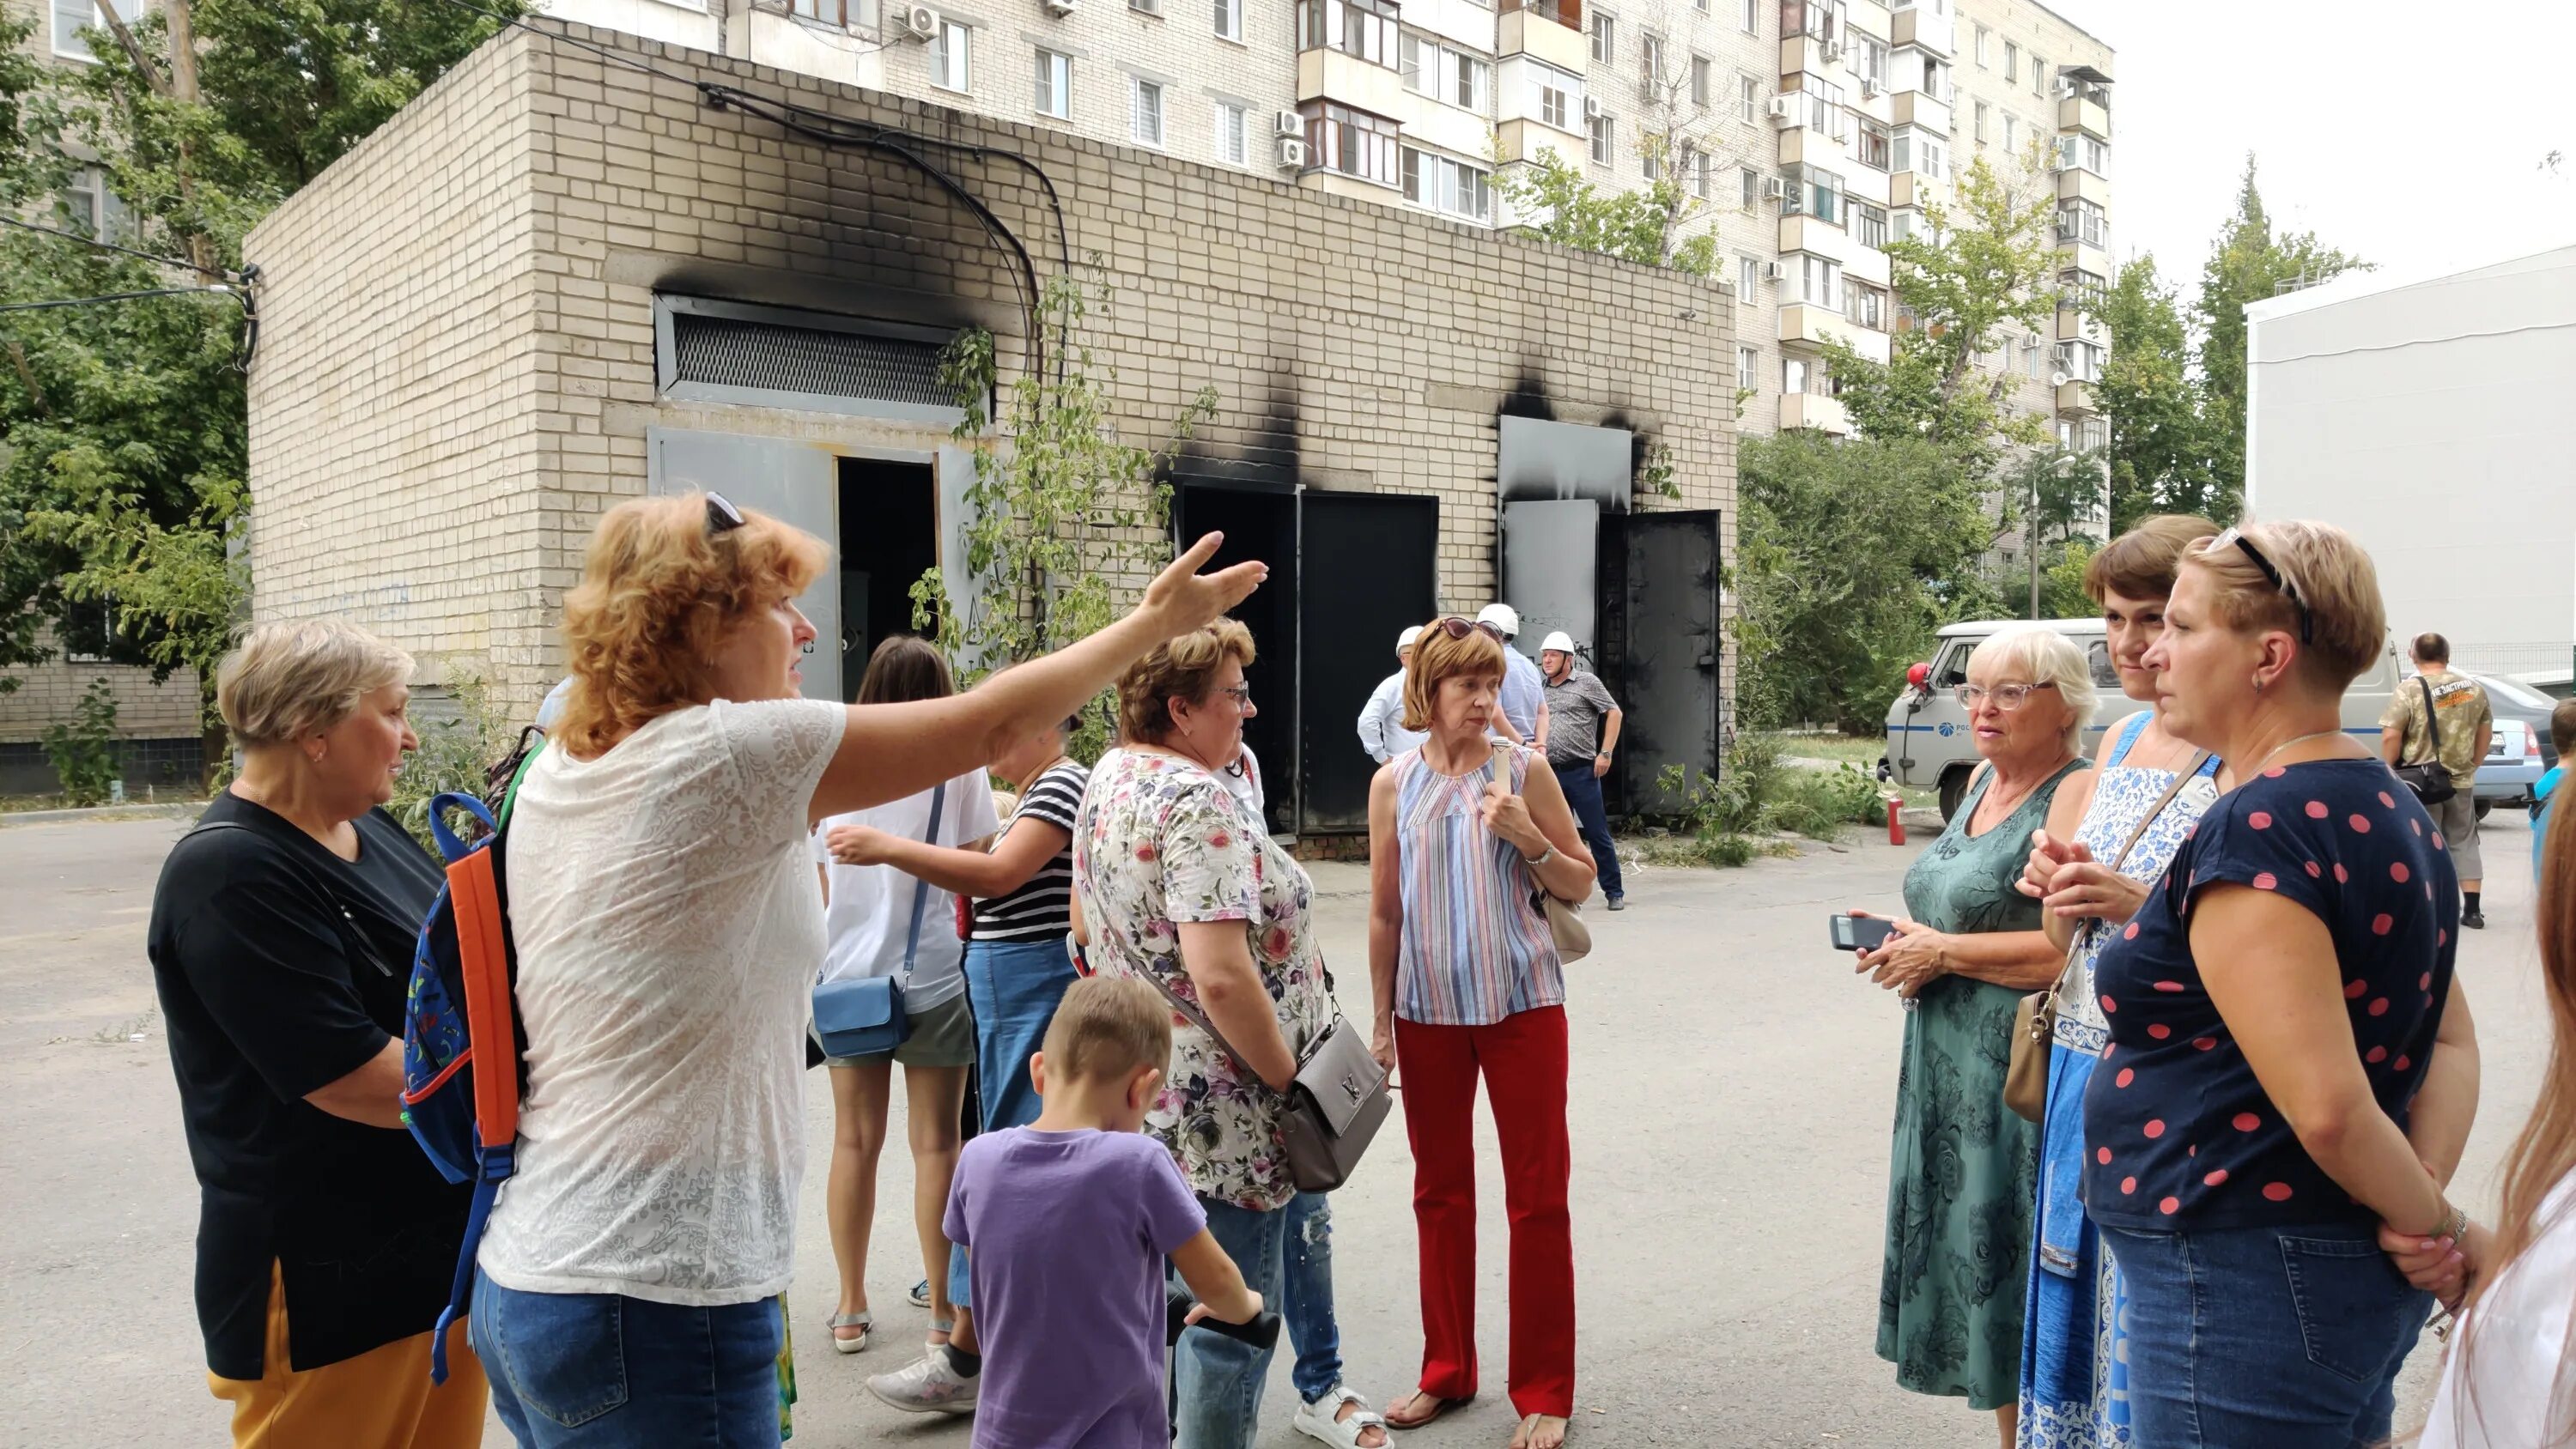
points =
(1066, 1224)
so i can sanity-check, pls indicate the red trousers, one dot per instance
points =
(1523, 1060)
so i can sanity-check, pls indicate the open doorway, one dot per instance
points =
(1260, 525)
(889, 538)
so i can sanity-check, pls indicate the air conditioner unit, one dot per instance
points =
(1292, 153)
(916, 22)
(1770, 271)
(1833, 51)
(1775, 187)
(1868, 88)
(1059, 7)
(1592, 108)
(1784, 110)
(1287, 123)
(2058, 379)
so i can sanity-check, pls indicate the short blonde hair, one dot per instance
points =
(1436, 658)
(657, 593)
(1182, 668)
(2331, 574)
(2041, 655)
(299, 677)
(1105, 1027)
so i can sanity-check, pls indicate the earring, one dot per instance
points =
(2258, 684)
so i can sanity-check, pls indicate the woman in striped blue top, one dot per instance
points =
(1462, 837)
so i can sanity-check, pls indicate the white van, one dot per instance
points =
(1928, 744)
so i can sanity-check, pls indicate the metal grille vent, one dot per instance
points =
(775, 357)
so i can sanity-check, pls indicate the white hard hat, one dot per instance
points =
(1405, 639)
(1501, 616)
(1558, 642)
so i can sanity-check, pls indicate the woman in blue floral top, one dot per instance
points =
(1177, 886)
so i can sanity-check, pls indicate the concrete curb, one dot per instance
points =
(182, 810)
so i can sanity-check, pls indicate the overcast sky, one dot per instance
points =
(2410, 135)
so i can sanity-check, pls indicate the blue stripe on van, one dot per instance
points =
(2096, 729)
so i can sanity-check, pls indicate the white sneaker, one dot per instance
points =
(927, 1386)
(1317, 1421)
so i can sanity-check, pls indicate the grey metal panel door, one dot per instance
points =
(1550, 550)
(798, 483)
(1665, 665)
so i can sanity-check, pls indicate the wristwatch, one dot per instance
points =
(1535, 861)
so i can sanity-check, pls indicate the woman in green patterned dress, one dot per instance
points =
(1962, 1177)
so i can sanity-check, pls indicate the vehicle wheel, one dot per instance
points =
(2483, 807)
(1954, 788)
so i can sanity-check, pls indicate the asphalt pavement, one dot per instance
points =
(1732, 1089)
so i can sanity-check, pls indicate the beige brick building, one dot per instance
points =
(555, 281)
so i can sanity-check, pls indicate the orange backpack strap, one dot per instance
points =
(483, 956)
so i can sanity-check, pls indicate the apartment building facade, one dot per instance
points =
(158, 740)
(1805, 133)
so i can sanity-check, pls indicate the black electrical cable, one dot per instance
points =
(831, 130)
(118, 297)
(110, 246)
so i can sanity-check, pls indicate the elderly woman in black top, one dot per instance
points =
(281, 941)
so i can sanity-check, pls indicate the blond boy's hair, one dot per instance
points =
(1106, 1027)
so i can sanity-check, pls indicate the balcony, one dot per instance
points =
(1919, 27)
(2075, 398)
(1915, 108)
(1359, 84)
(1814, 410)
(1523, 138)
(2074, 324)
(2082, 113)
(1810, 325)
(2082, 185)
(1551, 30)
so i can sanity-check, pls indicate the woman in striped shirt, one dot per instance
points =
(1462, 837)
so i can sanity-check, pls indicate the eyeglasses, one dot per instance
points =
(722, 516)
(1240, 693)
(2289, 591)
(2007, 697)
(1458, 628)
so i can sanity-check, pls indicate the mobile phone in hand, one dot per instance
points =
(1860, 933)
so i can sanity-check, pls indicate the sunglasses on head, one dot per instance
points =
(1458, 628)
(722, 516)
(2289, 591)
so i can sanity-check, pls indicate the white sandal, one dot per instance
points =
(1317, 1421)
(864, 1322)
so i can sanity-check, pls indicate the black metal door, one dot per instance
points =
(1368, 566)
(1660, 651)
(1259, 523)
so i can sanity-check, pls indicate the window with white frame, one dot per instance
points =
(1650, 157)
(1471, 83)
(1864, 305)
(1556, 95)
(2030, 357)
(829, 12)
(1443, 185)
(1748, 97)
(1984, 114)
(1869, 144)
(1752, 18)
(1602, 135)
(1903, 224)
(2039, 77)
(1605, 29)
(1793, 375)
(1362, 28)
(2012, 133)
(1701, 70)
(71, 16)
(1749, 187)
(95, 210)
(1703, 172)
(1814, 191)
(2084, 153)
(2092, 435)
(1936, 79)
(1650, 62)
(2081, 361)
(2083, 221)
(1417, 60)
(952, 56)
(1869, 224)
(2012, 62)
(1233, 145)
(1551, 106)
(1985, 45)
(1055, 85)
(1748, 276)
(1229, 19)
(1869, 58)
(1915, 150)
(1748, 366)
(1145, 112)
(1811, 279)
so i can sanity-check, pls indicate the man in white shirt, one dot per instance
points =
(1382, 731)
(1524, 697)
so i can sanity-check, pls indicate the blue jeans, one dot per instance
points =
(1306, 1296)
(1583, 792)
(2264, 1338)
(1013, 987)
(1217, 1380)
(603, 1371)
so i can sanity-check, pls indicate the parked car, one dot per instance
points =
(2520, 752)
(1928, 743)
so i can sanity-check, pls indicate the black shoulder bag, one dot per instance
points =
(2429, 779)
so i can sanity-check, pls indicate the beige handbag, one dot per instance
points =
(2035, 1022)
(1564, 918)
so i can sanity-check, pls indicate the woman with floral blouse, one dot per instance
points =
(1177, 887)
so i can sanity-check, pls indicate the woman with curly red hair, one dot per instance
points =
(668, 929)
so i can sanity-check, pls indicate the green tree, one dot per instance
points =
(1062, 507)
(1561, 204)
(1984, 260)
(1850, 555)
(2153, 403)
(2061, 584)
(2250, 262)
(126, 423)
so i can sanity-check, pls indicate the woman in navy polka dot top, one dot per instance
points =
(2290, 1063)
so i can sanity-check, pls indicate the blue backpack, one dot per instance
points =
(464, 1051)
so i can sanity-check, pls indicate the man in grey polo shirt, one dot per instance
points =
(1582, 729)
